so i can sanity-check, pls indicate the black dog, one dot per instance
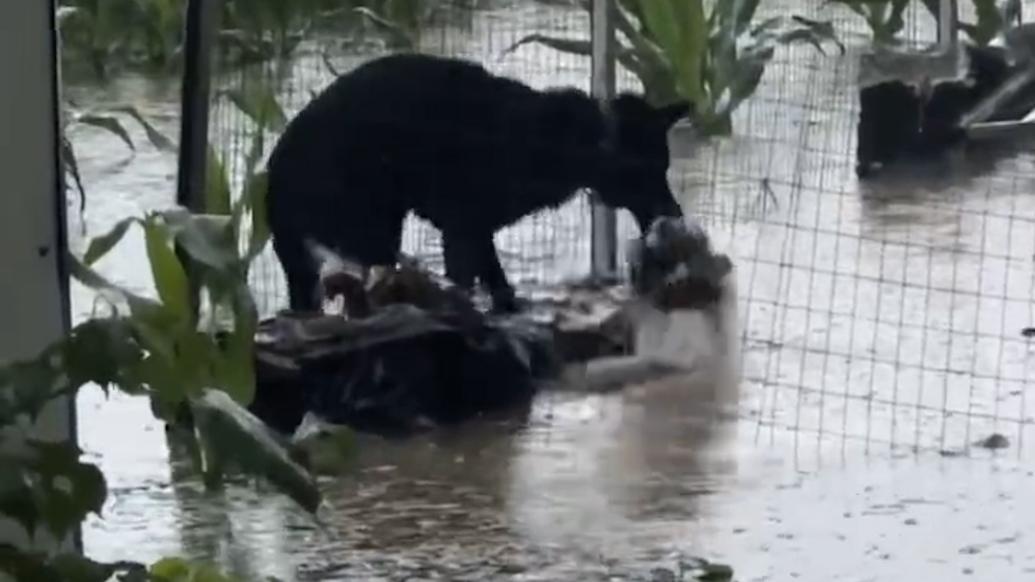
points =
(469, 151)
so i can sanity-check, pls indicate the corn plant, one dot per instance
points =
(398, 22)
(161, 25)
(257, 101)
(110, 120)
(679, 50)
(149, 33)
(992, 18)
(259, 30)
(150, 347)
(885, 18)
(158, 348)
(98, 30)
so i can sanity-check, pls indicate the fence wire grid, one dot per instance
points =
(884, 314)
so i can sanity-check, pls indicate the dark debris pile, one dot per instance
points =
(410, 351)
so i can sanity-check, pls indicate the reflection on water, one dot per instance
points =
(598, 488)
(585, 484)
(870, 314)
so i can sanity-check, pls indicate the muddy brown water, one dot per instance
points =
(880, 330)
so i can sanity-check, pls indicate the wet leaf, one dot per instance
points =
(180, 570)
(327, 448)
(255, 151)
(716, 573)
(157, 138)
(566, 45)
(71, 164)
(29, 386)
(743, 14)
(395, 32)
(258, 101)
(195, 355)
(99, 351)
(217, 185)
(21, 565)
(815, 32)
(255, 192)
(16, 501)
(168, 390)
(170, 569)
(108, 123)
(98, 283)
(236, 366)
(232, 432)
(329, 64)
(99, 246)
(64, 490)
(206, 238)
(705, 571)
(169, 276)
(680, 30)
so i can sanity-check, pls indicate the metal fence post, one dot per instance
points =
(201, 28)
(604, 222)
(948, 24)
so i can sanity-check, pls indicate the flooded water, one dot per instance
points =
(880, 330)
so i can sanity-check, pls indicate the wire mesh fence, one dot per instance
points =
(542, 249)
(885, 313)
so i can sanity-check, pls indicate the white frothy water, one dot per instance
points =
(705, 342)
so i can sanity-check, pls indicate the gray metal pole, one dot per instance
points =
(948, 24)
(34, 301)
(605, 224)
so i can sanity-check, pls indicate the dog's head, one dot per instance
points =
(635, 176)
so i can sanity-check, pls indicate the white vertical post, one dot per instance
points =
(948, 24)
(605, 224)
(34, 305)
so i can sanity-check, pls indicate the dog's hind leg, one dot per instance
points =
(461, 257)
(301, 272)
(472, 258)
(494, 278)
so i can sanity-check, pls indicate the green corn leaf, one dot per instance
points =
(108, 123)
(169, 276)
(257, 101)
(229, 431)
(99, 246)
(564, 45)
(206, 238)
(157, 138)
(217, 185)
(255, 192)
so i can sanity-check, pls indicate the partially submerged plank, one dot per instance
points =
(992, 104)
(1002, 129)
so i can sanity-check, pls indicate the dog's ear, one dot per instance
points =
(672, 113)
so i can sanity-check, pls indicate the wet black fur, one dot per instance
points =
(467, 150)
